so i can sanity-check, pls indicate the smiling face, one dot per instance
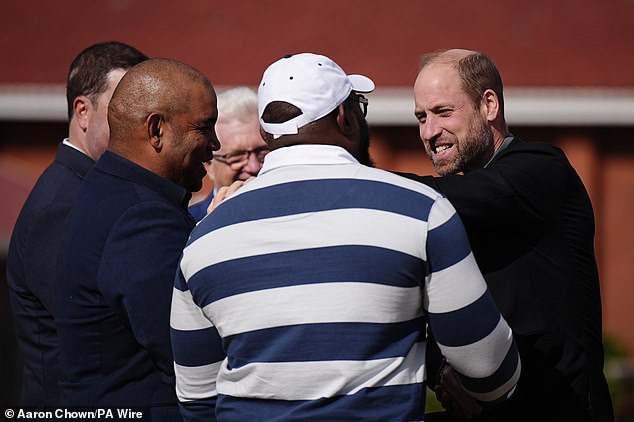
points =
(236, 136)
(192, 139)
(456, 135)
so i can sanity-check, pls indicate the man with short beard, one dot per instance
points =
(531, 226)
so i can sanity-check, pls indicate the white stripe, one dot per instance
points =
(454, 287)
(305, 231)
(313, 380)
(440, 213)
(314, 303)
(185, 315)
(482, 358)
(507, 388)
(196, 382)
(307, 154)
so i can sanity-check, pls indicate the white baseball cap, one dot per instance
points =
(313, 83)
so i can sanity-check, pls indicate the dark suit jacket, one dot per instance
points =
(124, 236)
(31, 267)
(531, 227)
(199, 209)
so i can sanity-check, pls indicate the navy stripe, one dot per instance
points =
(319, 265)
(465, 325)
(380, 404)
(199, 410)
(325, 341)
(312, 196)
(499, 377)
(447, 244)
(197, 347)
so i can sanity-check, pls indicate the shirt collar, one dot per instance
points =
(122, 167)
(505, 143)
(66, 142)
(78, 162)
(306, 155)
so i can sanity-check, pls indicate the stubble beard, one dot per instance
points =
(364, 146)
(471, 150)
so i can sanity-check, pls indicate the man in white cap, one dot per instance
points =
(306, 294)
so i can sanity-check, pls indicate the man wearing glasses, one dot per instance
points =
(242, 148)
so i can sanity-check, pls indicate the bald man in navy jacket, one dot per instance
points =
(124, 237)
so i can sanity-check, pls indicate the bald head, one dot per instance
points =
(155, 86)
(162, 116)
(451, 56)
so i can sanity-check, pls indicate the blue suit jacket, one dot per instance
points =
(199, 209)
(31, 267)
(123, 239)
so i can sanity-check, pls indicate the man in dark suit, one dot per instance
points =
(531, 226)
(37, 235)
(124, 235)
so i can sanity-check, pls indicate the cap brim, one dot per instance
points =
(361, 83)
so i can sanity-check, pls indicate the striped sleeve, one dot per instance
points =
(471, 333)
(198, 354)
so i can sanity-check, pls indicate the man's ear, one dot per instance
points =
(155, 126)
(490, 105)
(81, 108)
(345, 121)
(266, 137)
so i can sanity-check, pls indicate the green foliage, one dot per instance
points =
(431, 403)
(613, 348)
(615, 369)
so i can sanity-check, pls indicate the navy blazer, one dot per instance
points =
(124, 236)
(31, 267)
(199, 209)
(531, 227)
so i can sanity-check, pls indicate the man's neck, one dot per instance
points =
(505, 141)
(77, 138)
(498, 138)
(70, 143)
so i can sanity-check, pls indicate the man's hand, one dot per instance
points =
(225, 192)
(452, 396)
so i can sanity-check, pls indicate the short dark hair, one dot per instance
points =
(280, 112)
(88, 73)
(477, 73)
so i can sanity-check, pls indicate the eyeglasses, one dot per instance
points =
(241, 157)
(363, 103)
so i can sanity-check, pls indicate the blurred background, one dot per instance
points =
(568, 69)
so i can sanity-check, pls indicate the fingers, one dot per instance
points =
(453, 397)
(233, 187)
(450, 380)
(444, 398)
(225, 192)
(217, 199)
